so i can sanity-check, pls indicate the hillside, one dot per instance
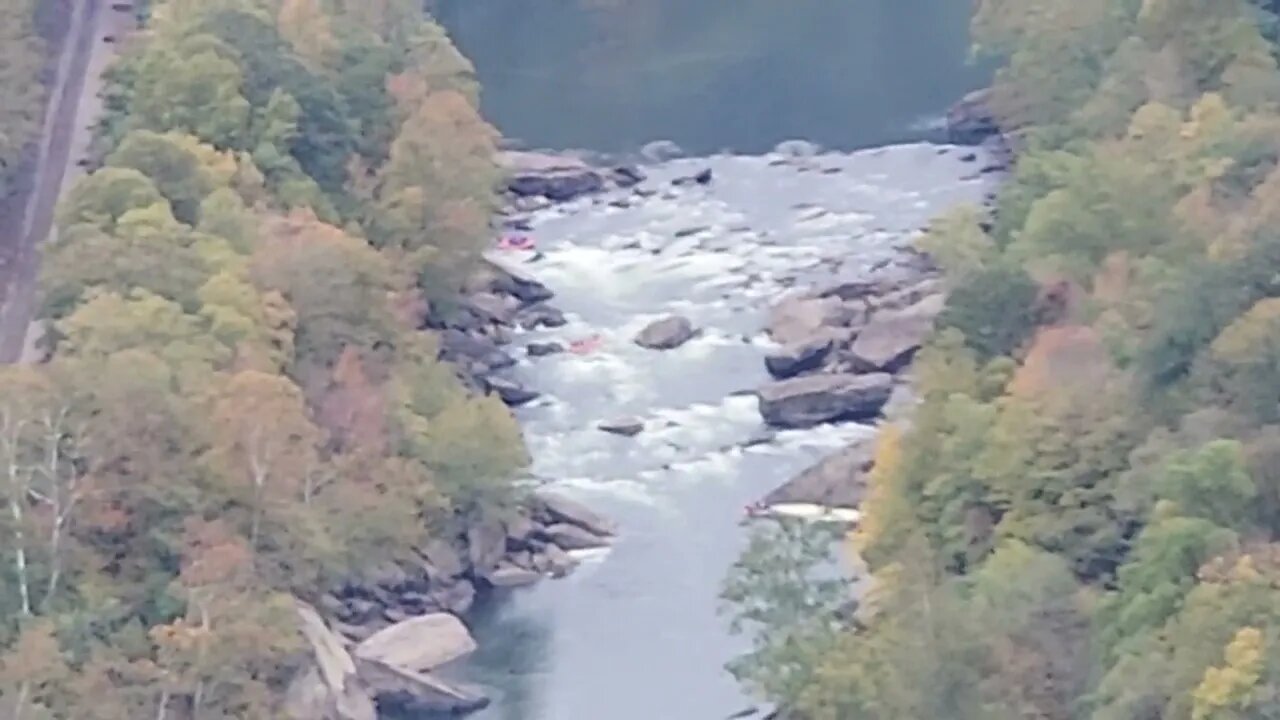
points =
(1080, 520)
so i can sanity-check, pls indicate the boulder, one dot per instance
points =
(666, 334)
(541, 315)
(627, 427)
(561, 509)
(800, 357)
(510, 575)
(572, 537)
(838, 480)
(815, 399)
(493, 308)
(626, 176)
(511, 392)
(798, 318)
(890, 340)
(555, 177)
(493, 278)
(537, 349)
(555, 561)
(419, 644)
(329, 688)
(456, 597)
(404, 693)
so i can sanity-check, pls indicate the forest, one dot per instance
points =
(240, 406)
(1081, 518)
(21, 62)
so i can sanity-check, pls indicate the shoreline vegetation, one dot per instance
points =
(241, 409)
(1079, 520)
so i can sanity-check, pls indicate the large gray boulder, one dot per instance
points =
(419, 644)
(556, 178)
(802, 356)
(330, 687)
(890, 340)
(666, 334)
(798, 318)
(838, 480)
(560, 509)
(816, 399)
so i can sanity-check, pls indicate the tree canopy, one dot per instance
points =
(1079, 520)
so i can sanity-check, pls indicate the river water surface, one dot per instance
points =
(634, 633)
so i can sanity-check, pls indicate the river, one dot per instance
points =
(634, 633)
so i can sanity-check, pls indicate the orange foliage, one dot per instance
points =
(1068, 359)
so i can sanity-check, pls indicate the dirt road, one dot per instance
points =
(74, 106)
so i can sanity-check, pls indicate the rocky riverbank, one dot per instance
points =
(845, 348)
(378, 641)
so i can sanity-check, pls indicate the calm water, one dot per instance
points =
(634, 634)
(710, 75)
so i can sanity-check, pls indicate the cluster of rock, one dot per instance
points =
(473, 336)
(385, 633)
(843, 347)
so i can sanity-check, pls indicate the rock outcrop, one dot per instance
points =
(330, 688)
(838, 480)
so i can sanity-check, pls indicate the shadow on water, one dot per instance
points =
(611, 75)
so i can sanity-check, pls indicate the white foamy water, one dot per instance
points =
(637, 636)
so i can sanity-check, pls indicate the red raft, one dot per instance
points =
(516, 242)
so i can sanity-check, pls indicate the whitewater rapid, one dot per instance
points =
(634, 634)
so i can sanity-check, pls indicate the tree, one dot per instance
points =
(101, 198)
(434, 192)
(174, 163)
(779, 592)
(110, 323)
(993, 309)
(337, 286)
(263, 436)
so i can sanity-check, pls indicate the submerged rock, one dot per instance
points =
(628, 427)
(666, 334)
(537, 349)
(816, 399)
